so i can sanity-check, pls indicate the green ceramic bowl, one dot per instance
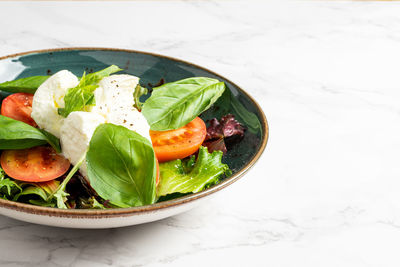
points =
(152, 69)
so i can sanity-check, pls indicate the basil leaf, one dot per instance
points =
(173, 105)
(176, 177)
(103, 73)
(82, 96)
(23, 85)
(122, 166)
(19, 135)
(139, 91)
(22, 143)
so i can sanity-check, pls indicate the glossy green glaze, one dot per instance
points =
(152, 70)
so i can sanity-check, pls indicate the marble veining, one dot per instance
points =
(326, 190)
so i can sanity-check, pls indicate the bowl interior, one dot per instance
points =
(152, 70)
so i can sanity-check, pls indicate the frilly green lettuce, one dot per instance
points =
(189, 176)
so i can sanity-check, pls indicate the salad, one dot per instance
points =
(91, 142)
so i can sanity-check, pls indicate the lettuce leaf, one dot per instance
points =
(59, 194)
(82, 96)
(37, 190)
(228, 126)
(34, 193)
(8, 187)
(90, 203)
(186, 177)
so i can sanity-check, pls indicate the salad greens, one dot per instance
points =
(38, 193)
(23, 85)
(34, 193)
(20, 135)
(122, 166)
(139, 91)
(82, 96)
(218, 132)
(91, 203)
(173, 105)
(8, 187)
(194, 176)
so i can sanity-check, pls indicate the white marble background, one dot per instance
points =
(326, 191)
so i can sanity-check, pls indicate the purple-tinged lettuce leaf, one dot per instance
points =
(214, 145)
(218, 132)
(228, 126)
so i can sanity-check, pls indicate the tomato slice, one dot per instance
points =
(179, 143)
(18, 107)
(37, 164)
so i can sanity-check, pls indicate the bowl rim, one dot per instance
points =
(132, 211)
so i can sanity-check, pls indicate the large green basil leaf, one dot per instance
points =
(190, 176)
(121, 166)
(175, 104)
(81, 96)
(19, 135)
(23, 85)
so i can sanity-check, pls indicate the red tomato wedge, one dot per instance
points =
(37, 164)
(179, 143)
(18, 107)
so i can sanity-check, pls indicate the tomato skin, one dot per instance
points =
(179, 143)
(18, 107)
(37, 164)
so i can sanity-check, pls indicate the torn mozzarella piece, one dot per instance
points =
(115, 92)
(49, 97)
(130, 118)
(114, 101)
(76, 132)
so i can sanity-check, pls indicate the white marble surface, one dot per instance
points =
(326, 192)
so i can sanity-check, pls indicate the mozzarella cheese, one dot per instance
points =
(49, 97)
(114, 104)
(76, 132)
(132, 119)
(114, 101)
(115, 92)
